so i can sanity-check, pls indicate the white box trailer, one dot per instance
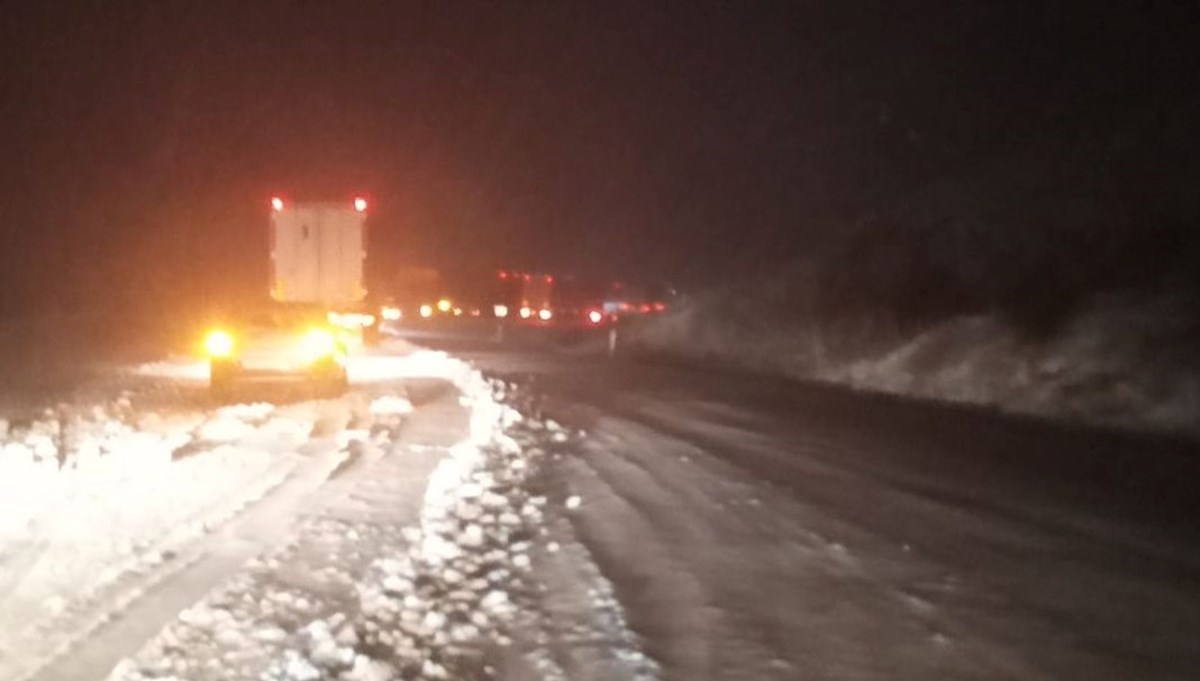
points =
(318, 252)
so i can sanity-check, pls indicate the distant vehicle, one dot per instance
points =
(580, 303)
(416, 293)
(625, 300)
(518, 298)
(569, 301)
(523, 297)
(277, 341)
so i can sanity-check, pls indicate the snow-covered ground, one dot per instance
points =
(358, 593)
(388, 533)
(92, 496)
(102, 502)
(578, 518)
(1122, 362)
(365, 587)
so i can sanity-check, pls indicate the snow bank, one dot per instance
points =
(1122, 362)
(390, 404)
(420, 601)
(430, 610)
(416, 364)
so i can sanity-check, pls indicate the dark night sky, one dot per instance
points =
(676, 140)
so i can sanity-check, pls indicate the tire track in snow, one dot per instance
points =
(574, 626)
(424, 603)
(914, 579)
(677, 611)
(118, 620)
(886, 592)
(579, 630)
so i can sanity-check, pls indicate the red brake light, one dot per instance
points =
(503, 274)
(276, 203)
(360, 204)
(549, 279)
(595, 316)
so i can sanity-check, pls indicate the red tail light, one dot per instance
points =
(360, 204)
(276, 204)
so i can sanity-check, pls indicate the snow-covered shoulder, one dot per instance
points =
(365, 592)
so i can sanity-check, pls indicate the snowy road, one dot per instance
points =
(533, 515)
(756, 528)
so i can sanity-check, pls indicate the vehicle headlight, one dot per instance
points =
(218, 344)
(500, 311)
(318, 343)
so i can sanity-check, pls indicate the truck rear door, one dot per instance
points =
(317, 254)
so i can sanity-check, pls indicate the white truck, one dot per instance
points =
(317, 258)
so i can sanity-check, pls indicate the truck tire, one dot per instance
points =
(331, 378)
